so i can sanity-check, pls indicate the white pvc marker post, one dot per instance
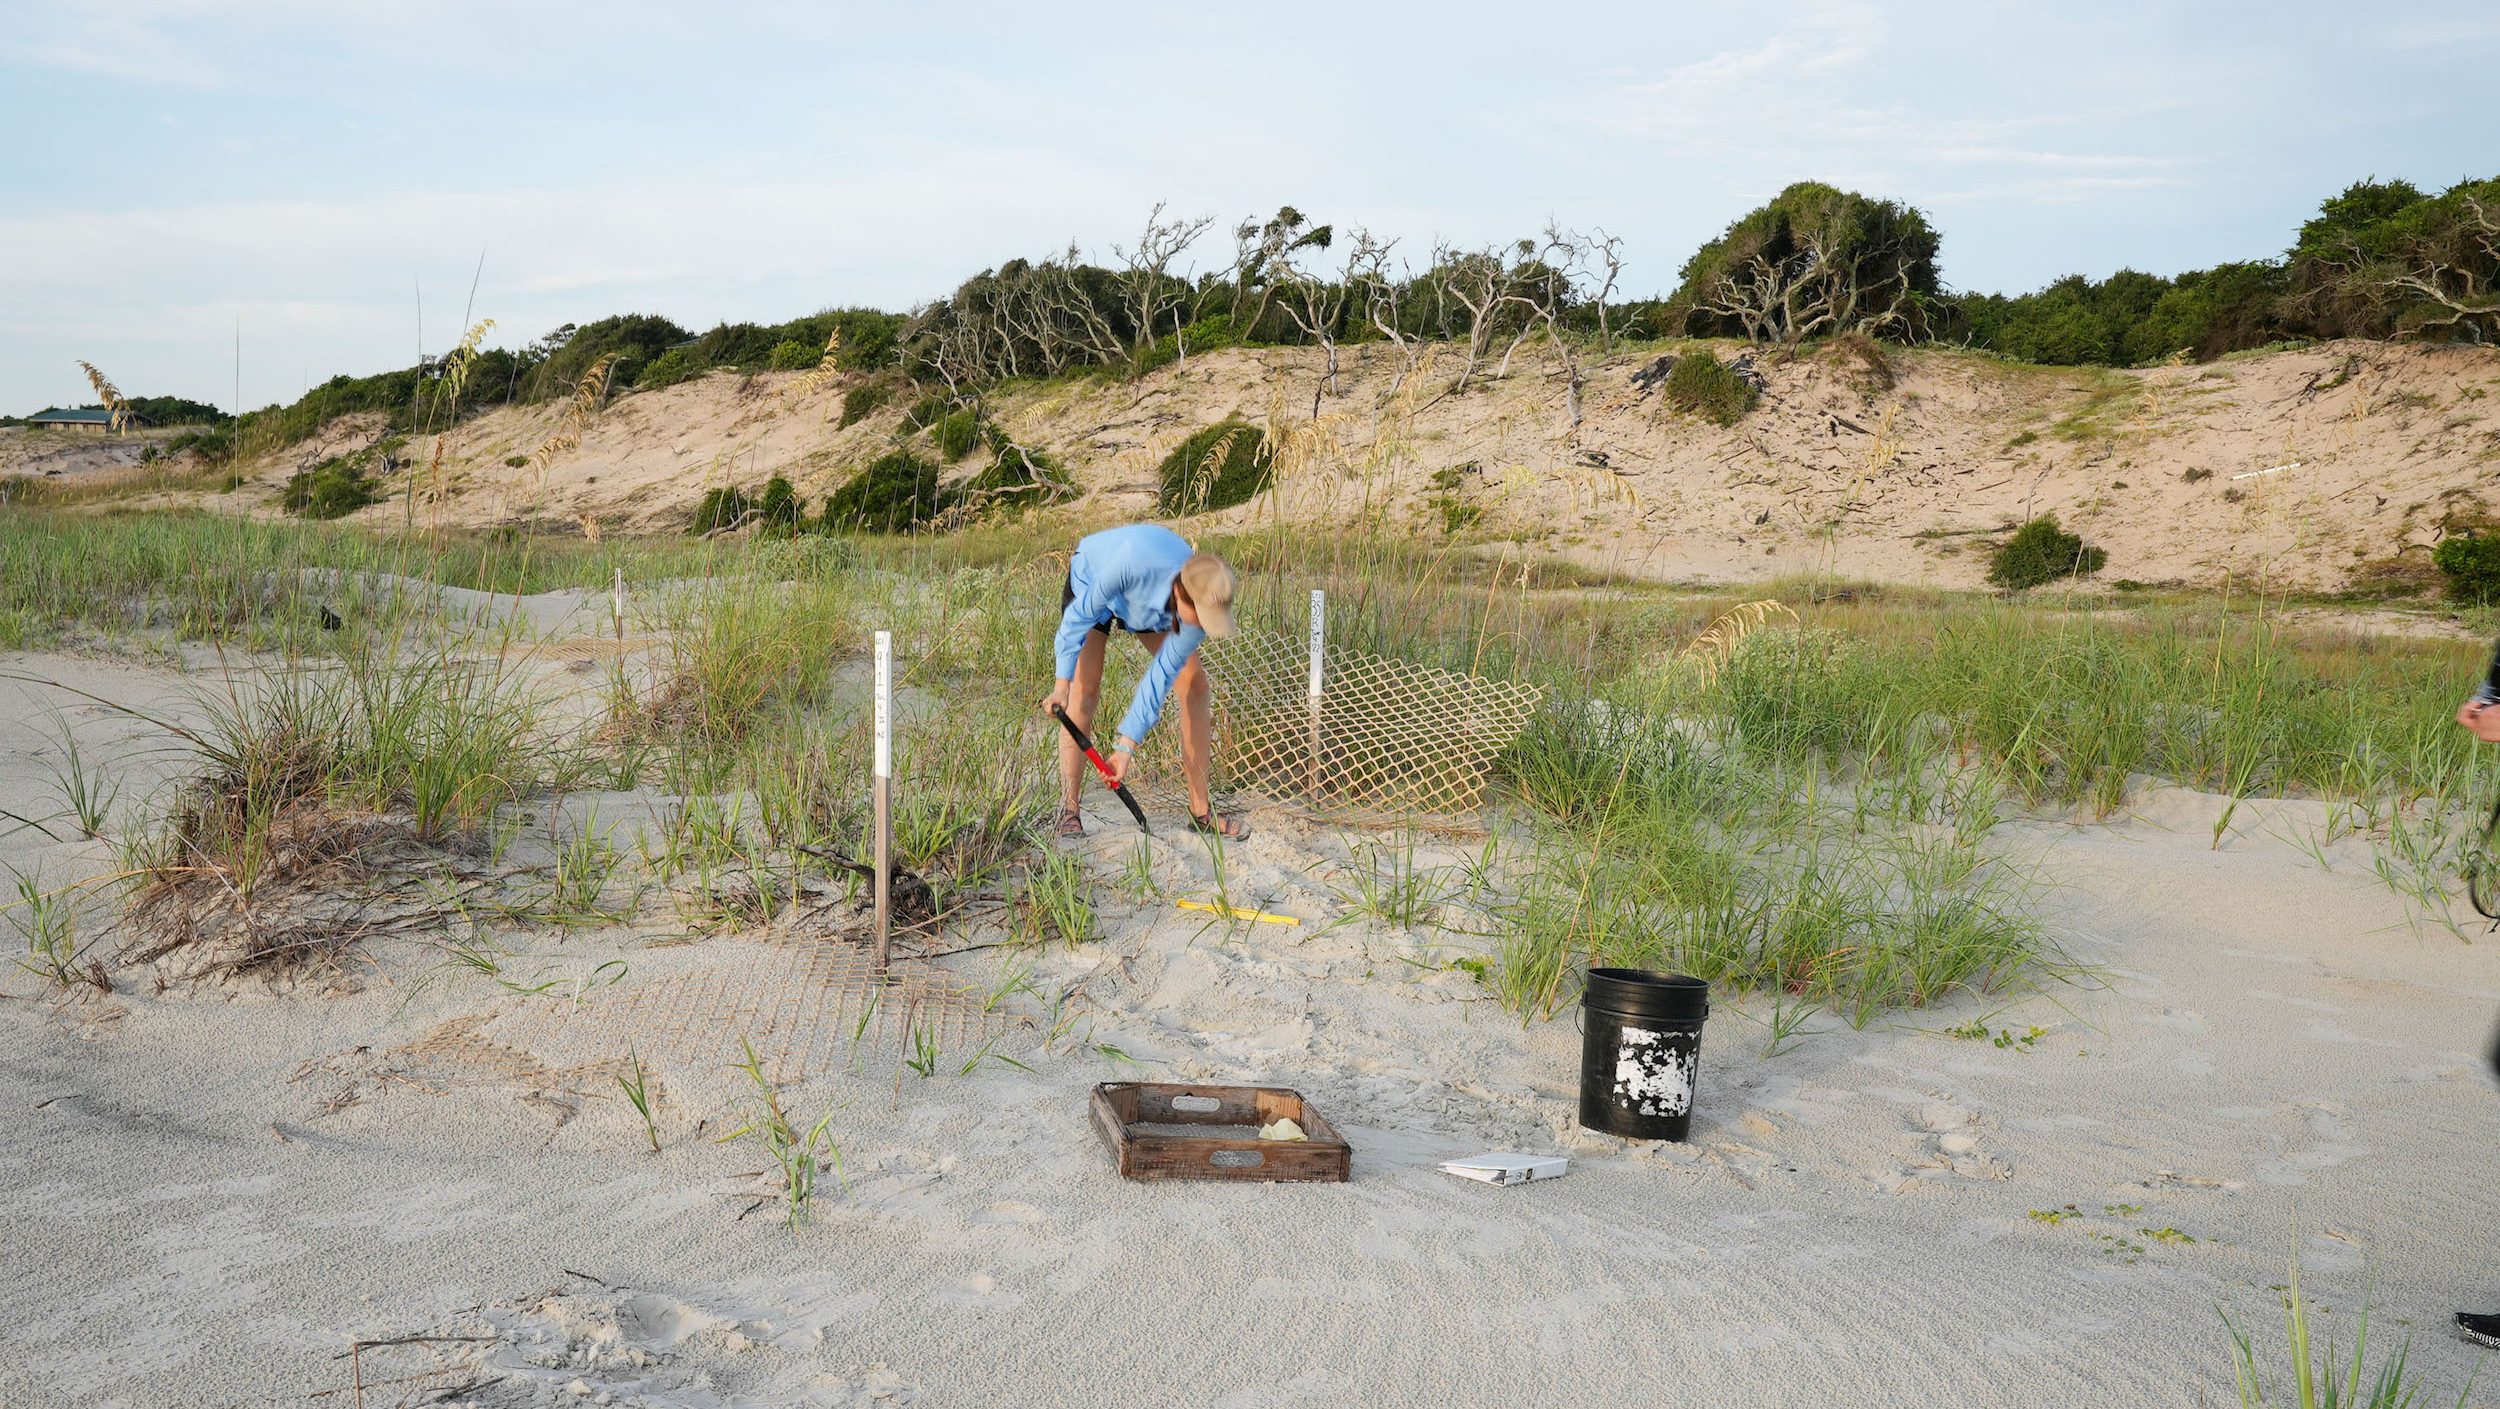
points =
(1319, 656)
(882, 792)
(616, 603)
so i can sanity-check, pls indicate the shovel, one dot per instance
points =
(1101, 767)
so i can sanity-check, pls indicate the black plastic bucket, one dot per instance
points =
(1640, 1050)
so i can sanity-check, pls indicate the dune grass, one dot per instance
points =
(2318, 1376)
(215, 577)
(1807, 813)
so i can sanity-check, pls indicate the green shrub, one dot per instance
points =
(1206, 335)
(722, 508)
(638, 339)
(862, 401)
(926, 412)
(897, 493)
(2471, 564)
(215, 443)
(669, 368)
(779, 508)
(1701, 384)
(330, 490)
(798, 345)
(956, 433)
(1225, 464)
(1013, 476)
(2040, 552)
(791, 355)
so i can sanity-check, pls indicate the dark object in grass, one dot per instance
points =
(915, 902)
(779, 508)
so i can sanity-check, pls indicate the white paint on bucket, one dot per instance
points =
(1652, 1075)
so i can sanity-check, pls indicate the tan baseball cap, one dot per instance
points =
(1208, 580)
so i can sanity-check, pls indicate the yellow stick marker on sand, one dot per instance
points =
(1233, 913)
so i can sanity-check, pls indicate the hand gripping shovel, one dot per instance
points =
(1101, 767)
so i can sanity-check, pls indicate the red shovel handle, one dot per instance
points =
(1126, 798)
(1082, 742)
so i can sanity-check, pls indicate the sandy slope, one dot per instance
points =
(51, 454)
(213, 1193)
(1907, 482)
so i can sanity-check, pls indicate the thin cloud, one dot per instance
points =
(2098, 161)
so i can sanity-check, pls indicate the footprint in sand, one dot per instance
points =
(866, 1384)
(2331, 1146)
(1936, 1117)
(1008, 1213)
(1956, 1142)
(2176, 1019)
(978, 1290)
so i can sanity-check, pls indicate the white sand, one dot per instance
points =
(212, 1193)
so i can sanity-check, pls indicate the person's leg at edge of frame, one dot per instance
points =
(2480, 716)
(1084, 700)
(1197, 696)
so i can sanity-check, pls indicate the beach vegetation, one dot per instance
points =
(2041, 552)
(2469, 563)
(799, 1158)
(1217, 467)
(2306, 1371)
(1701, 385)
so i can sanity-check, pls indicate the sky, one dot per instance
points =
(322, 180)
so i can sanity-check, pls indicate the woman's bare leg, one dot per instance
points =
(1197, 700)
(1081, 708)
(1197, 697)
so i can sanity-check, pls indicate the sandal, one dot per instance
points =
(1071, 822)
(1209, 825)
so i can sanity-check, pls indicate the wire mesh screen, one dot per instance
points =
(1387, 736)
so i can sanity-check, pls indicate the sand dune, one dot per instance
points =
(2307, 468)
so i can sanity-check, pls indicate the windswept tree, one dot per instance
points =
(1314, 297)
(2384, 258)
(2450, 279)
(1147, 282)
(1571, 271)
(1816, 260)
(1024, 318)
(1600, 258)
(1262, 258)
(1471, 296)
(1381, 298)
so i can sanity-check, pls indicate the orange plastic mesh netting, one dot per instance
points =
(1386, 735)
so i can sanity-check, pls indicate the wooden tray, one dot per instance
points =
(1127, 1114)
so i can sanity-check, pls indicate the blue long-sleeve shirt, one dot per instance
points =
(1128, 573)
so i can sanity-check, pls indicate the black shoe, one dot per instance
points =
(2480, 1328)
